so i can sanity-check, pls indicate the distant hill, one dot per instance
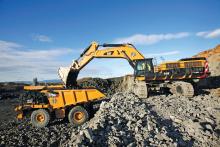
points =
(210, 52)
(18, 82)
(51, 81)
(213, 57)
(30, 82)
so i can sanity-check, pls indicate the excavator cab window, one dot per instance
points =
(143, 66)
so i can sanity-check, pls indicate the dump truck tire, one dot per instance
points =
(182, 89)
(78, 116)
(40, 118)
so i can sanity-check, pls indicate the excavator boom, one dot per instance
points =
(127, 51)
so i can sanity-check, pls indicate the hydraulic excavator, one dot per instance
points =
(68, 101)
(177, 76)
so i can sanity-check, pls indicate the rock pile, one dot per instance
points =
(107, 86)
(197, 118)
(126, 120)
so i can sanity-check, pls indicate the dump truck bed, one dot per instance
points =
(59, 97)
(64, 98)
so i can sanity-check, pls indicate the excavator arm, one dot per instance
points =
(127, 51)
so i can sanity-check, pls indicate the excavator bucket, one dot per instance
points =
(68, 76)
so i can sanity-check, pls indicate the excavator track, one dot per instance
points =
(181, 88)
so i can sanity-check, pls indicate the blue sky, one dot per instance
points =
(37, 37)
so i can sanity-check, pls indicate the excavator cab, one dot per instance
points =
(143, 67)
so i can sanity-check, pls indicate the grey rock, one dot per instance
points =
(88, 133)
(210, 120)
(132, 144)
(208, 126)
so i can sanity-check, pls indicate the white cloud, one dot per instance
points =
(19, 64)
(42, 38)
(201, 34)
(162, 54)
(209, 34)
(151, 38)
(7, 45)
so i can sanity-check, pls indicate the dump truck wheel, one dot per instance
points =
(182, 89)
(40, 118)
(78, 116)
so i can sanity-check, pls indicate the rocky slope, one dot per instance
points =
(213, 57)
(127, 120)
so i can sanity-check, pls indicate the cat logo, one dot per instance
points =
(109, 53)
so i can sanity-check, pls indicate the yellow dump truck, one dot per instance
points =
(59, 102)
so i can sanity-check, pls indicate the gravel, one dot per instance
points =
(157, 121)
(197, 118)
(23, 134)
(125, 120)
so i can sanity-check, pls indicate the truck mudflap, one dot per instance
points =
(20, 114)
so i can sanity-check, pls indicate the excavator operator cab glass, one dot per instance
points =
(143, 66)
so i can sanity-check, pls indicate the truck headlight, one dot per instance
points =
(30, 101)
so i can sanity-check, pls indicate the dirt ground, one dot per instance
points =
(7, 109)
(125, 119)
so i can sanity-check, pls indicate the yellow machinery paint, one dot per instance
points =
(65, 97)
(179, 64)
(59, 99)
